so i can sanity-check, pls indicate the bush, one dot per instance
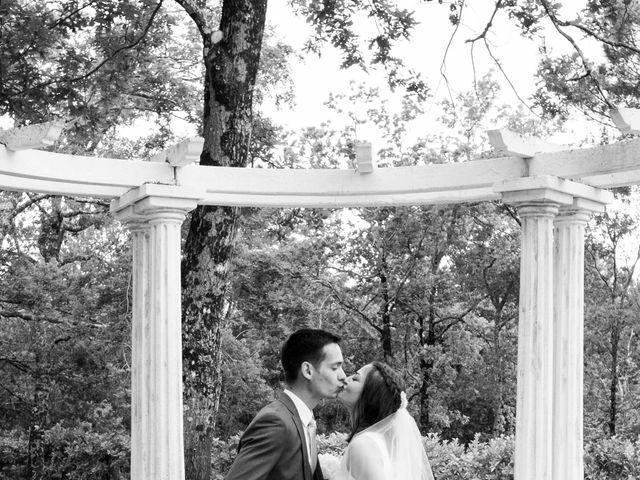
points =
(612, 459)
(333, 443)
(13, 455)
(81, 452)
(98, 451)
(222, 454)
(492, 460)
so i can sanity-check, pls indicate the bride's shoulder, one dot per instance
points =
(364, 442)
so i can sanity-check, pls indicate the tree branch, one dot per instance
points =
(443, 67)
(348, 305)
(33, 199)
(109, 58)
(28, 317)
(600, 274)
(125, 47)
(195, 9)
(506, 77)
(18, 365)
(596, 36)
(557, 23)
(488, 25)
(63, 19)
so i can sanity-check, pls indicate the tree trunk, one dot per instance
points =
(427, 339)
(613, 385)
(51, 230)
(499, 424)
(37, 423)
(385, 333)
(231, 66)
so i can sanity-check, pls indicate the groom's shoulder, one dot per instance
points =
(276, 406)
(273, 414)
(281, 408)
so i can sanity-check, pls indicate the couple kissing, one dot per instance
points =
(280, 442)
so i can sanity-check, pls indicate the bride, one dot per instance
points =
(384, 442)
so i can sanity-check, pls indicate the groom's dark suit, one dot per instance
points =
(273, 446)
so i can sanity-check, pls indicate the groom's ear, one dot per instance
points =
(305, 369)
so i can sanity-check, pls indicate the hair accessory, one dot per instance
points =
(403, 400)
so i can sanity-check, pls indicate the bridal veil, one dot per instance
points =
(391, 449)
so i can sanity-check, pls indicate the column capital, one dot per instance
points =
(553, 190)
(142, 204)
(537, 209)
(573, 215)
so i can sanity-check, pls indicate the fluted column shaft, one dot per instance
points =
(568, 345)
(533, 451)
(549, 398)
(139, 348)
(155, 214)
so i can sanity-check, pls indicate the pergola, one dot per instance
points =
(555, 190)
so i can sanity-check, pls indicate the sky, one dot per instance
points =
(447, 64)
(425, 52)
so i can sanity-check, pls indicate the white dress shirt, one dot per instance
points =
(306, 415)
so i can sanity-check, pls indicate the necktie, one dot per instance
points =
(313, 448)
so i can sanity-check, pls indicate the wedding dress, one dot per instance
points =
(388, 450)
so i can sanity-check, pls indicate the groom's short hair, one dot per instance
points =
(304, 345)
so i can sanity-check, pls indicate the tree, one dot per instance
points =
(64, 325)
(611, 315)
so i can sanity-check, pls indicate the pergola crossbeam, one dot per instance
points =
(32, 136)
(81, 171)
(509, 143)
(626, 119)
(365, 160)
(339, 201)
(582, 164)
(47, 172)
(184, 153)
(29, 184)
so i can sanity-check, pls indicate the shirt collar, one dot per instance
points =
(306, 415)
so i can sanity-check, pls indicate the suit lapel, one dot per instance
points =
(284, 398)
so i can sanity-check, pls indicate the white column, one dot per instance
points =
(551, 288)
(155, 214)
(139, 395)
(568, 345)
(535, 356)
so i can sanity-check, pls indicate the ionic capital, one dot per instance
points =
(154, 202)
(547, 189)
(538, 209)
(572, 216)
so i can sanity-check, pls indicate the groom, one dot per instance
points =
(280, 443)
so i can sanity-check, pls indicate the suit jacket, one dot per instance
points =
(273, 446)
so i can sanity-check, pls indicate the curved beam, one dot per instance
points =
(346, 201)
(26, 184)
(584, 163)
(82, 170)
(318, 182)
(33, 170)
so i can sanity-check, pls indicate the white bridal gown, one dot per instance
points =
(388, 450)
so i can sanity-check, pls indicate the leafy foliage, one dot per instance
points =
(339, 23)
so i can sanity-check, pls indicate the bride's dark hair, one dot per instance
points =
(380, 397)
